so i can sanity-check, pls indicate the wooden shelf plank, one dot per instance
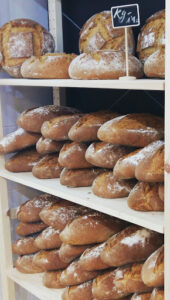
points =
(139, 84)
(33, 284)
(114, 207)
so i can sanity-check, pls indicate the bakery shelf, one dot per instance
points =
(139, 84)
(33, 284)
(115, 207)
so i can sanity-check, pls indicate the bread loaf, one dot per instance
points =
(25, 264)
(25, 246)
(105, 155)
(104, 65)
(157, 295)
(47, 167)
(29, 211)
(119, 283)
(23, 161)
(51, 279)
(74, 274)
(145, 197)
(18, 140)
(48, 239)
(145, 296)
(153, 269)
(161, 191)
(155, 64)
(20, 39)
(58, 127)
(79, 177)
(137, 129)
(85, 129)
(25, 229)
(132, 244)
(98, 34)
(46, 146)
(49, 260)
(50, 65)
(33, 118)
(90, 260)
(107, 186)
(79, 292)
(98, 229)
(152, 35)
(69, 252)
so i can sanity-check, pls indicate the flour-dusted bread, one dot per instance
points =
(153, 269)
(145, 197)
(157, 294)
(85, 129)
(154, 66)
(33, 118)
(29, 210)
(23, 161)
(58, 127)
(107, 186)
(104, 65)
(161, 191)
(99, 228)
(49, 260)
(20, 39)
(46, 146)
(47, 167)
(51, 279)
(143, 296)
(69, 252)
(25, 246)
(98, 34)
(25, 264)
(18, 140)
(48, 239)
(132, 244)
(82, 291)
(138, 130)
(50, 65)
(105, 155)
(24, 229)
(119, 283)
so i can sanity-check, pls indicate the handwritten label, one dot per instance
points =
(125, 16)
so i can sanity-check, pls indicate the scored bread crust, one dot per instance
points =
(25, 229)
(79, 292)
(46, 146)
(69, 252)
(154, 65)
(48, 239)
(145, 296)
(49, 260)
(25, 264)
(47, 167)
(25, 246)
(51, 279)
(157, 294)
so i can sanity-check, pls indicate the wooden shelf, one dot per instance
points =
(33, 284)
(114, 207)
(139, 84)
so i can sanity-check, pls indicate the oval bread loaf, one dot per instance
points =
(47, 167)
(25, 246)
(46, 146)
(25, 229)
(69, 252)
(79, 292)
(155, 64)
(49, 260)
(157, 294)
(25, 264)
(51, 279)
(48, 239)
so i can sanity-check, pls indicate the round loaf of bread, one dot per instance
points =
(20, 39)
(25, 246)
(51, 279)
(25, 229)
(145, 296)
(48, 239)
(79, 292)
(48, 66)
(98, 34)
(157, 294)
(46, 146)
(104, 65)
(154, 65)
(47, 167)
(152, 35)
(69, 252)
(49, 260)
(25, 264)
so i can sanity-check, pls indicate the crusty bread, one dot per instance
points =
(25, 246)
(47, 167)
(79, 177)
(157, 294)
(49, 260)
(33, 118)
(50, 65)
(85, 129)
(153, 269)
(48, 239)
(46, 146)
(18, 140)
(104, 65)
(132, 244)
(107, 186)
(155, 64)
(138, 129)
(69, 252)
(105, 155)
(72, 156)
(23, 161)
(74, 274)
(98, 34)
(29, 210)
(145, 197)
(25, 264)
(119, 283)
(161, 191)
(79, 292)
(51, 279)
(98, 229)
(58, 127)
(24, 229)
(145, 296)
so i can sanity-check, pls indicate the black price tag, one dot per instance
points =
(125, 16)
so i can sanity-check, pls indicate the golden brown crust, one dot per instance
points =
(51, 279)
(138, 129)
(25, 246)
(25, 229)
(47, 167)
(49, 260)
(145, 296)
(25, 264)
(46, 146)
(155, 64)
(157, 294)
(161, 191)
(145, 197)
(48, 239)
(132, 244)
(79, 292)
(69, 252)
